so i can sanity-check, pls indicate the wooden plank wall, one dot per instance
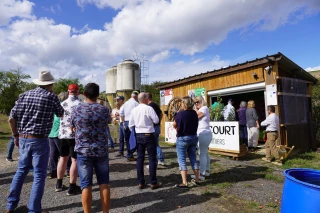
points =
(223, 81)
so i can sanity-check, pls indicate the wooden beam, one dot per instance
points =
(293, 94)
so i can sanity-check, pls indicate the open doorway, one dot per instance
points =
(257, 96)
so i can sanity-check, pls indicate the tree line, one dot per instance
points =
(14, 82)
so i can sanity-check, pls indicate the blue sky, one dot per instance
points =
(83, 38)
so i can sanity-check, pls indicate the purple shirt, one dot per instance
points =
(242, 116)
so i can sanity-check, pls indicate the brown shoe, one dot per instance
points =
(156, 186)
(131, 159)
(9, 211)
(111, 150)
(141, 186)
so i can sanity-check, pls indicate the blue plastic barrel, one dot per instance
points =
(301, 191)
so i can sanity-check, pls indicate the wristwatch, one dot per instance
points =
(16, 135)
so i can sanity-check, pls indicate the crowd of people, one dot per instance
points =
(73, 136)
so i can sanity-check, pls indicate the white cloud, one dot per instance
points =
(115, 4)
(160, 56)
(156, 28)
(197, 61)
(312, 68)
(182, 69)
(14, 8)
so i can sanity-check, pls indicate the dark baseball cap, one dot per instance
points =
(230, 100)
(120, 97)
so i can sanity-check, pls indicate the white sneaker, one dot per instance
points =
(147, 166)
(161, 163)
(207, 174)
(200, 177)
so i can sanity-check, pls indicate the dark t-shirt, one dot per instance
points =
(156, 108)
(187, 122)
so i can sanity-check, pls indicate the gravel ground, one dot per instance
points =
(234, 186)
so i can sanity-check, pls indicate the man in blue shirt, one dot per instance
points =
(89, 122)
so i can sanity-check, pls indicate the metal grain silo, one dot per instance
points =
(128, 78)
(111, 85)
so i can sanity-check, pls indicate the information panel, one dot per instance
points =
(170, 133)
(225, 136)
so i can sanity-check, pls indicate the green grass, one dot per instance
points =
(305, 160)
(224, 185)
(270, 176)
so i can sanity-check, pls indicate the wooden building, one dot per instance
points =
(271, 79)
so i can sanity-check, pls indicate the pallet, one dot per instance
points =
(235, 155)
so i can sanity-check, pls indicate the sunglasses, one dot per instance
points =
(196, 102)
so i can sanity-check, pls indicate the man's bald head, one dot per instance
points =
(142, 98)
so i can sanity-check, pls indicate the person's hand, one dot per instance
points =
(16, 141)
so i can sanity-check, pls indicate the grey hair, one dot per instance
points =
(188, 102)
(201, 101)
(141, 97)
(243, 104)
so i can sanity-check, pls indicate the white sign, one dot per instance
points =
(271, 91)
(170, 132)
(225, 136)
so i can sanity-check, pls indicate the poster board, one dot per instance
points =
(165, 96)
(225, 136)
(271, 91)
(197, 92)
(170, 132)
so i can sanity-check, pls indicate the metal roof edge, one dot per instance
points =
(233, 68)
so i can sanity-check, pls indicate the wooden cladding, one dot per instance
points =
(243, 77)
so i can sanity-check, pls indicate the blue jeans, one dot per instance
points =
(86, 166)
(10, 148)
(187, 144)
(157, 132)
(36, 150)
(54, 144)
(146, 142)
(124, 135)
(110, 138)
(204, 142)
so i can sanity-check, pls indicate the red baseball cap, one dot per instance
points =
(73, 88)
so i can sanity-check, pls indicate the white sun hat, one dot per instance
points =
(45, 78)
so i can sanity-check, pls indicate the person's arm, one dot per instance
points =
(175, 125)
(14, 130)
(153, 116)
(200, 112)
(131, 121)
(122, 114)
(266, 122)
(72, 126)
(58, 109)
(256, 117)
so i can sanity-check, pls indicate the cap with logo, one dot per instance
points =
(119, 97)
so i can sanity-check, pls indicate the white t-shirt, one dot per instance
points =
(204, 122)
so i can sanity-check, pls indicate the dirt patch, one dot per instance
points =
(234, 186)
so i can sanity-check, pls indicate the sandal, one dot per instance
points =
(180, 186)
(194, 183)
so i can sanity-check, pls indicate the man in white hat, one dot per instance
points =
(30, 122)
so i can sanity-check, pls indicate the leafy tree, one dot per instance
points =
(316, 109)
(63, 83)
(12, 84)
(152, 88)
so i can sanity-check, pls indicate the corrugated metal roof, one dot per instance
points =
(268, 59)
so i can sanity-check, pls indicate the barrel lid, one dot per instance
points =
(305, 172)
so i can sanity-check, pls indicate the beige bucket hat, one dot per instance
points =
(45, 78)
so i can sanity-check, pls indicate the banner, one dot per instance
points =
(197, 92)
(225, 136)
(165, 96)
(170, 132)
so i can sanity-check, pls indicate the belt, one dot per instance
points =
(271, 131)
(32, 136)
(146, 134)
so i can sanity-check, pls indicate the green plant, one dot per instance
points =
(216, 110)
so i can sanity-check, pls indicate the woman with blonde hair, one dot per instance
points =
(252, 125)
(186, 123)
(204, 136)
